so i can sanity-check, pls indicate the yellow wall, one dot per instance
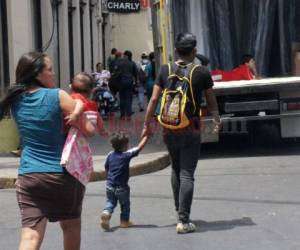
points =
(9, 137)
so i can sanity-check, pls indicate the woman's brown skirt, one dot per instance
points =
(55, 196)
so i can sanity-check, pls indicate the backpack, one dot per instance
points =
(177, 107)
(142, 77)
(115, 79)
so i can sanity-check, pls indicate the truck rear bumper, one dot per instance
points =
(289, 125)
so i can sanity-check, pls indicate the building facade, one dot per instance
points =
(76, 34)
(69, 31)
(130, 29)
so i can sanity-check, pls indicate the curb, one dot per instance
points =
(138, 169)
(7, 183)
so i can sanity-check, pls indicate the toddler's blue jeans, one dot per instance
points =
(121, 194)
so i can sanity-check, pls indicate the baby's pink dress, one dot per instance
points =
(77, 155)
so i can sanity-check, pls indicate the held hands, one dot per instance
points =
(146, 132)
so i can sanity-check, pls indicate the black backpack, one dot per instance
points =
(177, 103)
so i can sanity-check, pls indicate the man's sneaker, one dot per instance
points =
(125, 224)
(183, 228)
(104, 220)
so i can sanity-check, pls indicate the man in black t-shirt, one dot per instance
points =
(128, 75)
(184, 144)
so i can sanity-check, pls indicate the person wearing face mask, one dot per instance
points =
(45, 190)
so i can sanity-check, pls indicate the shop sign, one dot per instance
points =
(123, 6)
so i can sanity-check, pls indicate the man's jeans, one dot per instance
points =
(184, 150)
(126, 101)
(121, 194)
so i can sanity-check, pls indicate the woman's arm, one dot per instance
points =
(67, 104)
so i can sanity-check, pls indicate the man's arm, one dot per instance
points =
(212, 106)
(150, 110)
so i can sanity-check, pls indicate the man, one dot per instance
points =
(184, 144)
(111, 58)
(245, 71)
(141, 79)
(128, 75)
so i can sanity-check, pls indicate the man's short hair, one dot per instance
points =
(119, 140)
(246, 58)
(113, 51)
(185, 43)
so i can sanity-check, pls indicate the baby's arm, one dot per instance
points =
(73, 117)
(142, 143)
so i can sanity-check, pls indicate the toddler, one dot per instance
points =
(117, 169)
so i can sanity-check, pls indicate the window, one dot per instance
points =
(4, 59)
(92, 34)
(37, 24)
(82, 6)
(71, 44)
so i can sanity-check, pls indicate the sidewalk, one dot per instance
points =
(153, 157)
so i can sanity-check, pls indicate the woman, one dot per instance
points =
(45, 191)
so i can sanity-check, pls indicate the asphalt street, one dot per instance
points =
(246, 197)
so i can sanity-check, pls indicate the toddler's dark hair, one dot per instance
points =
(119, 140)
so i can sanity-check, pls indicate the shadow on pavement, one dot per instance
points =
(203, 226)
(146, 226)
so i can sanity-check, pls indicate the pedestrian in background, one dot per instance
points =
(101, 76)
(141, 80)
(183, 144)
(45, 191)
(150, 74)
(111, 58)
(128, 76)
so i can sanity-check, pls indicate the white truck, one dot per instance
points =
(246, 107)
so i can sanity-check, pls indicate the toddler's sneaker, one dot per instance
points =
(104, 220)
(183, 228)
(125, 224)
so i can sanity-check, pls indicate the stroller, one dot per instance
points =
(107, 102)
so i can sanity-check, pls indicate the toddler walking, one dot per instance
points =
(117, 188)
